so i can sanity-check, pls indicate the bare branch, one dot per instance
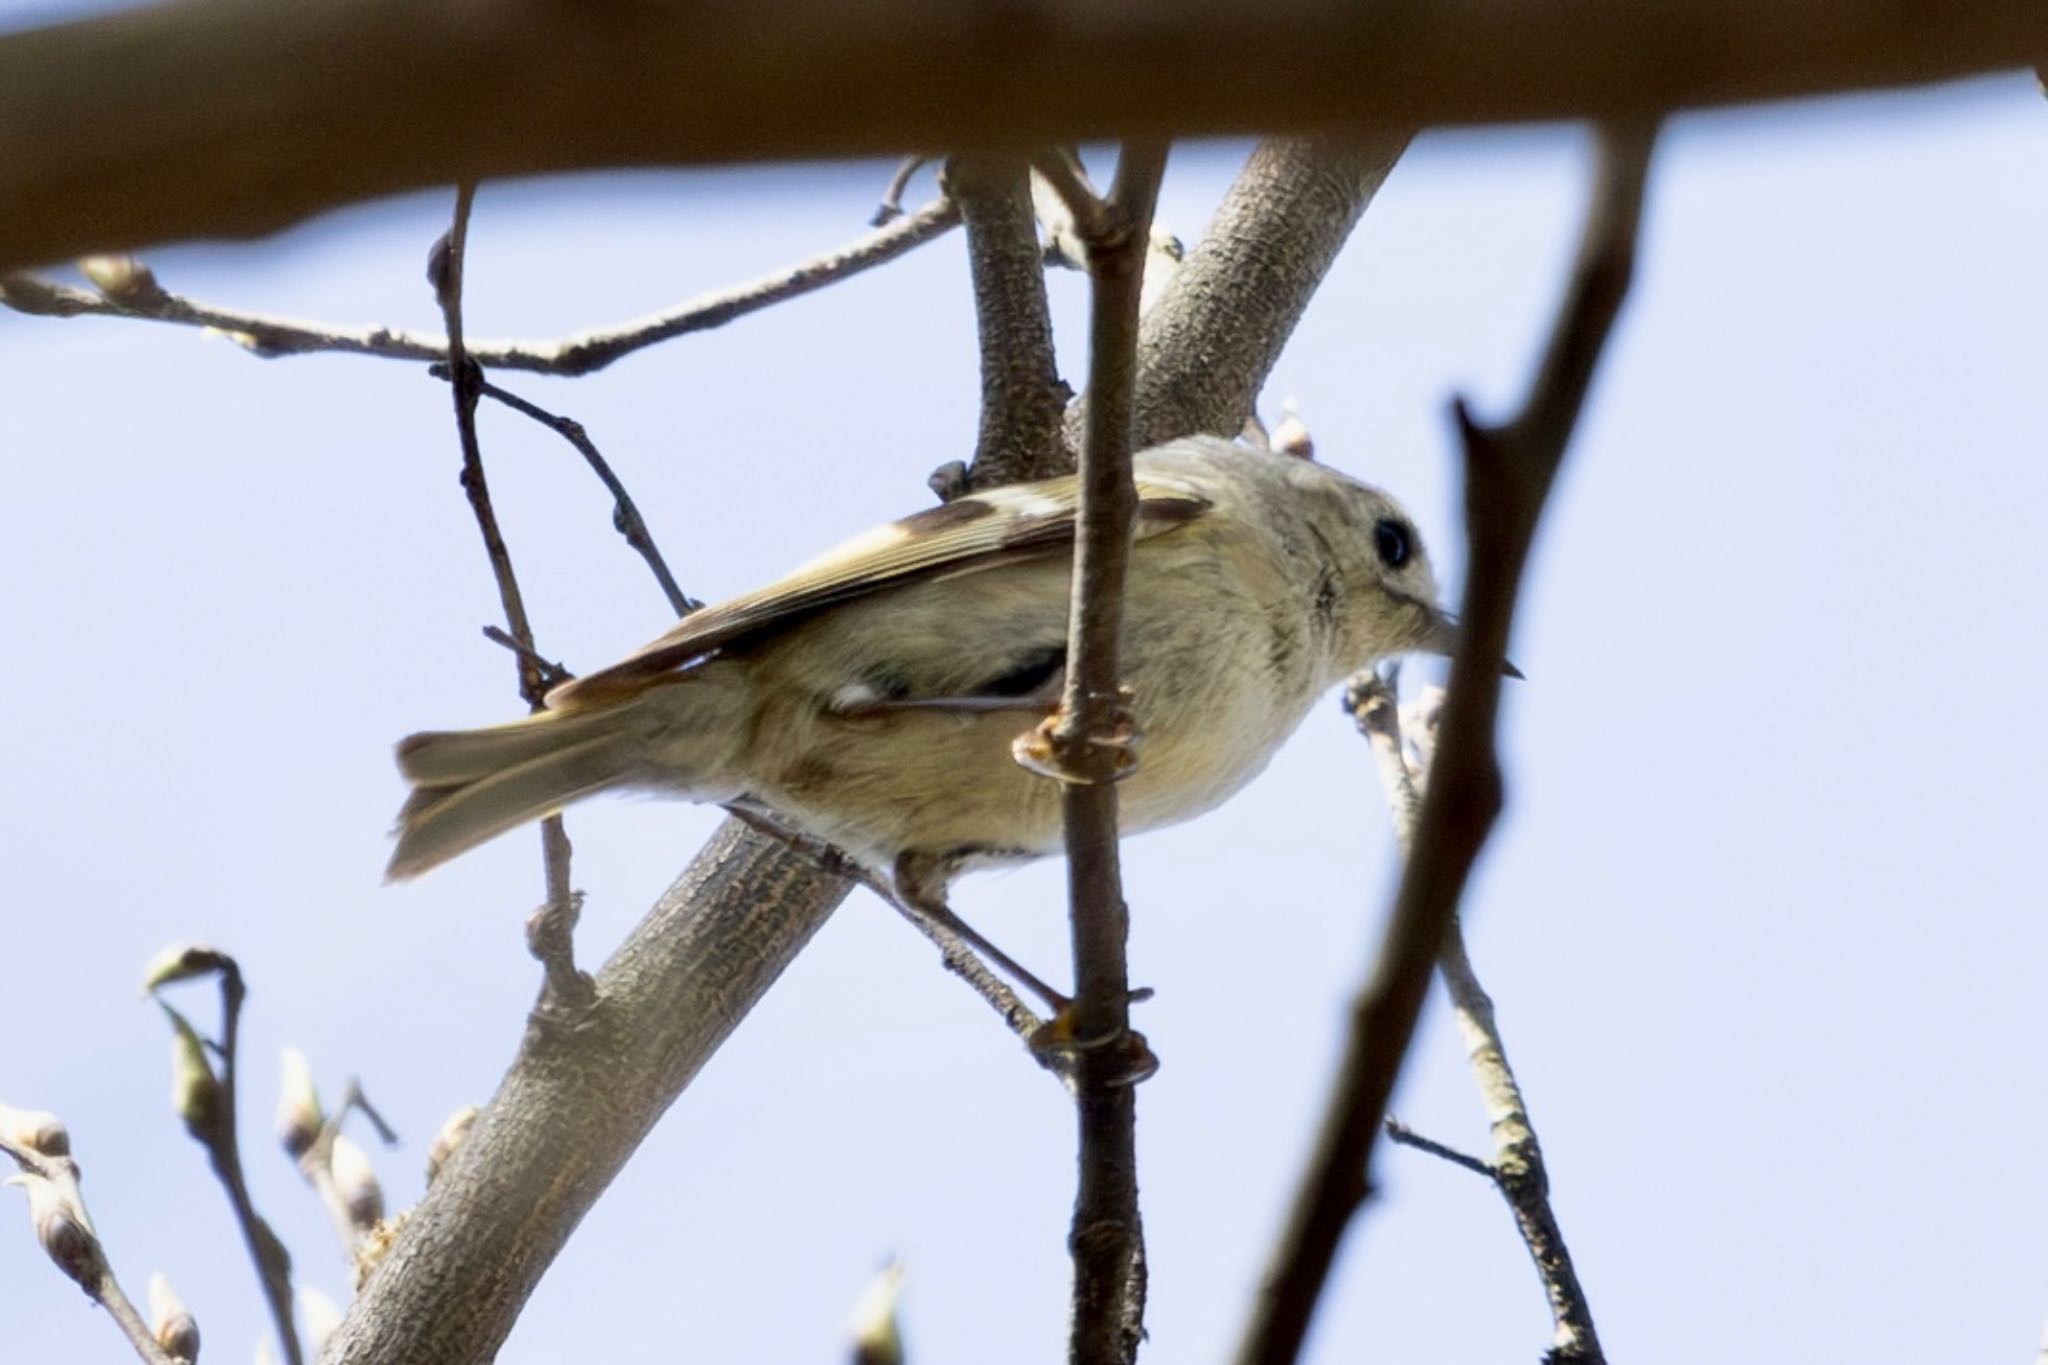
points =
(1022, 396)
(1509, 471)
(1517, 1169)
(266, 336)
(353, 1215)
(576, 1103)
(155, 124)
(550, 931)
(957, 951)
(891, 206)
(1215, 334)
(918, 896)
(625, 512)
(1087, 745)
(210, 1108)
(552, 673)
(1401, 1134)
(57, 1212)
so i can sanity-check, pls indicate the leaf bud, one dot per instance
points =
(170, 1321)
(356, 1182)
(298, 1106)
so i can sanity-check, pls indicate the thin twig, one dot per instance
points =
(1022, 395)
(268, 337)
(957, 949)
(1509, 471)
(891, 207)
(316, 1166)
(958, 954)
(566, 992)
(626, 516)
(209, 1106)
(1517, 1169)
(1087, 743)
(1399, 1132)
(552, 673)
(223, 1145)
(57, 1210)
(273, 1266)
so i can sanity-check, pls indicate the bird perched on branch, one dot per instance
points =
(871, 699)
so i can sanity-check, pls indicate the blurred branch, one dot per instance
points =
(209, 1105)
(550, 930)
(577, 1103)
(56, 1210)
(1517, 1169)
(1509, 471)
(237, 117)
(1086, 744)
(352, 1197)
(1022, 396)
(578, 353)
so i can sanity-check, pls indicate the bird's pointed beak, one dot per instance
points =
(1441, 636)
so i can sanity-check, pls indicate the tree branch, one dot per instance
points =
(1211, 340)
(266, 336)
(210, 1107)
(576, 1103)
(1517, 1169)
(1509, 471)
(237, 117)
(718, 954)
(1022, 395)
(550, 930)
(626, 516)
(49, 1176)
(1087, 745)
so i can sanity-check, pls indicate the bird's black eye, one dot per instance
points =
(1394, 542)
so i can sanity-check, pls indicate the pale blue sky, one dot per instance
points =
(1764, 922)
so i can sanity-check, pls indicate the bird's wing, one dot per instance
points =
(969, 534)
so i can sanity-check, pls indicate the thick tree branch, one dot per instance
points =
(237, 117)
(264, 335)
(1087, 744)
(1211, 340)
(577, 1103)
(1509, 471)
(1022, 396)
(1517, 1169)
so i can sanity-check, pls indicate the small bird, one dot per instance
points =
(870, 700)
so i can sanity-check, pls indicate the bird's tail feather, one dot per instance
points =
(473, 785)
